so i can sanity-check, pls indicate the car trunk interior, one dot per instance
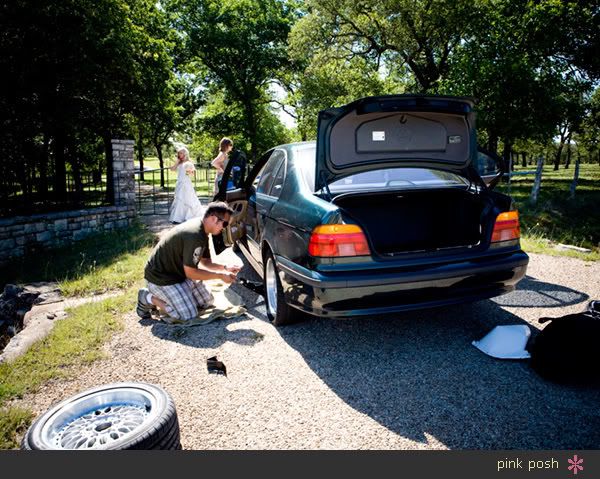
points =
(422, 220)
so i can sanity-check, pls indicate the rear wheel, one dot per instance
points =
(278, 311)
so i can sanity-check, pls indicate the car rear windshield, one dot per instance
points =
(392, 178)
(389, 178)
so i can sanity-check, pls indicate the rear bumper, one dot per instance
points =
(380, 292)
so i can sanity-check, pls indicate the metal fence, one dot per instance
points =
(154, 197)
(42, 196)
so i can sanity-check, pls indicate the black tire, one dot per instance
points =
(280, 314)
(93, 420)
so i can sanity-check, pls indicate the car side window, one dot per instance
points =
(267, 174)
(278, 180)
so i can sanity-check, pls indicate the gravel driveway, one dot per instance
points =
(408, 381)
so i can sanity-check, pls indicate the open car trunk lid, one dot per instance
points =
(395, 130)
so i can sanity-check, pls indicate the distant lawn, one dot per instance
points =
(555, 218)
(203, 179)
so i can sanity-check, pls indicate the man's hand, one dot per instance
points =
(233, 269)
(228, 277)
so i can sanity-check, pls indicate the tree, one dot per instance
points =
(514, 67)
(220, 117)
(75, 70)
(325, 83)
(588, 139)
(173, 109)
(419, 35)
(242, 44)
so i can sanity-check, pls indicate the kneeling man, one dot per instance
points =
(180, 263)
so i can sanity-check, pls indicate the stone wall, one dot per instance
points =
(21, 235)
(123, 172)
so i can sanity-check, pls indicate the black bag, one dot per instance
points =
(566, 350)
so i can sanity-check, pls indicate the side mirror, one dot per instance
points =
(489, 166)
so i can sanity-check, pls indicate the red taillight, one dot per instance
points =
(506, 227)
(338, 240)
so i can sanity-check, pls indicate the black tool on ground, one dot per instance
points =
(253, 286)
(213, 365)
(566, 350)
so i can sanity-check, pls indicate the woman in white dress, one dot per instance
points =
(220, 162)
(186, 204)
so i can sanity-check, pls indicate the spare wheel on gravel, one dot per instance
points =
(114, 416)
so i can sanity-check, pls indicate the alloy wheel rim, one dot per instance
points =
(271, 284)
(98, 421)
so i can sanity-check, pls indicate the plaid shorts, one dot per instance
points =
(183, 299)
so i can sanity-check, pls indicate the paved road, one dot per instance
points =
(409, 381)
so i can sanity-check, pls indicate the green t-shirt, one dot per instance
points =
(185, 244)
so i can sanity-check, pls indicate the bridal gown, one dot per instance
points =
(186, 204)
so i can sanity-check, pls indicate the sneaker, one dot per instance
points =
(144, 308)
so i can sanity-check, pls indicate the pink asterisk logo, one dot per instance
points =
(575, 464)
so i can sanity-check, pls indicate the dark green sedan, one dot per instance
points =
(391, 209)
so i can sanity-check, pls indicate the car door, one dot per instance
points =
(260, 201)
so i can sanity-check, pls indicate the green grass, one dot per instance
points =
(14, 422)
(110, 261)
(533, 244)
(555, 218)
(75, 341)
(95, 265)
(124, 271)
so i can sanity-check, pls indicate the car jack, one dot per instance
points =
(254, 286)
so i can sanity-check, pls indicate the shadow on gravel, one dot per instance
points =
(418, 374)
(533, 293)
(210, 336)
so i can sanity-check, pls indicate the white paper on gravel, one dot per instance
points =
(505, 342)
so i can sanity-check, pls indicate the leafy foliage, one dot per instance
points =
(242, 44)
(74, 70)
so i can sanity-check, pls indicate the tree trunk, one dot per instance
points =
(22, 172)
(507, 155)
(160, 163)
(563, 136)
(575, 179)
(251, 129)
(538, 180)
(60, 171)
(492, 145)
(524, 159)
(43, 169)
(76, 169)
(568, 145)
